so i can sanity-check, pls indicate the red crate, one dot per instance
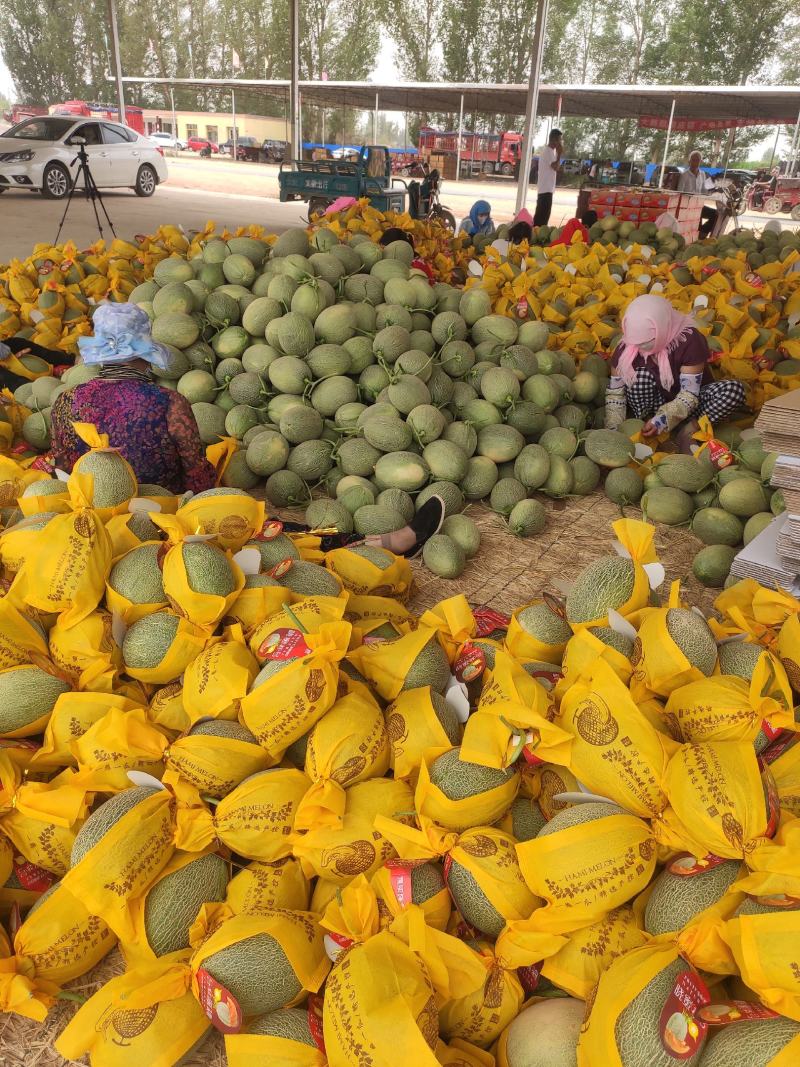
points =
(603, 211)
(626, 199)
(656, 200)
(650, 214)
(627, 214)
(601, 198)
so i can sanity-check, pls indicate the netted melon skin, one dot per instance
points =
(472, 903)
(257, 972)
(173, 903)
(107, 815)
(458, 779)
(637, 1032)
(289, 1023)
(693, 636)
(749, 1044)
(675, 898)
(604, 584)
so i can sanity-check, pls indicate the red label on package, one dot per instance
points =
(530, 756)
(708, 271)
(400, 880)
(722, 1012)
(31, 877)
(270, 530)
(446, 865)
(522, 308)
(773, 803)
(777, 900)
(777, 748)
(530, 976)
(14, 920)
(755, 280)
(336, 944)
(19, 742)
(315, 1008)
(549, 676)
(682, 1032)
(219, 1004)
(770, 731)
(488, 621)
(280, 568)
(283, 643)
(719, 454)
(687, 865)
(470, 662)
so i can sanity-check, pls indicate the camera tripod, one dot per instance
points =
(90, 190)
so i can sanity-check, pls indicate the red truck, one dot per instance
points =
(134, 116)
(492, 153)
(19, 112)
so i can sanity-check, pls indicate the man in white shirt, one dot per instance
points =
(549, 166)
(695, 181)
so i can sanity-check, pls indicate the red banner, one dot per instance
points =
(656, 122)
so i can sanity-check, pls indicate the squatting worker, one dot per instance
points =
(696, 181)
(660, 373)
(479, 221)
(152, 427)
(549, 166)
(21, 346)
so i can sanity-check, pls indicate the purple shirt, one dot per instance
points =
(691, 352)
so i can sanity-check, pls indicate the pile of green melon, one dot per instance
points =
(725, 509)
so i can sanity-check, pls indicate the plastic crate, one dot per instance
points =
(659, 200)
(627, 214)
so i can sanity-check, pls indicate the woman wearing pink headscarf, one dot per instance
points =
(660, 371)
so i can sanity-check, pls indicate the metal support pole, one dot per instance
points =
(728, 150)
(117, 64)
(235, 137)
(666, 145)
(558, 115)
(375, 121)
(174, 116)
(795, 147)
(323, 127)
(294, 98)
(460, 135)
(405, 134)
(537, 48)
(300, 124)
(774, 147)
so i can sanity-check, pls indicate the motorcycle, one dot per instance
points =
(424, 202)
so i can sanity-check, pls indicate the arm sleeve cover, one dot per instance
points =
(684, 405)
(616, 403)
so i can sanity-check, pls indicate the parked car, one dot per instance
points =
(246, 148)
(197, 144)
(41, 153)
(167, 140)
(274, 151)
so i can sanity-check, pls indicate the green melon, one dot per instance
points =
(267, 453)
(291, 1024)
(388, 435)
(532, 466)
(105, 817)
(751, 453)
(608, 448)
(624, 486)
(693, 636)
(739, 658)
(210, 421)
(585, 475)
(401, 470)
(607, 583)
(500, 443)
(637, 1030)
(443, 556)
(685, 472)
(559, 441)
(676, 899)
(743, 497)
(171, 906)
(114, 482)
(472, 903)
(449, 493)
(749, 1044)
(148, 640)
(329, 514)
(377, 519)
(615, 640)
(309, 579)
(527, 518)
(464, 532)
(257, 972)
(543, 624)
(714, 526)
(756, 524)
(526, 818)
(430, 667)
(545, 1034)
(459, 779)
(27, 694)
(481, 476)
(137, 576)
(398, 500)
(506, 494)
(712, 565)
(664, 504)
(275, 550)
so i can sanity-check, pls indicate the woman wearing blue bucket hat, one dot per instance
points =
(152, 427)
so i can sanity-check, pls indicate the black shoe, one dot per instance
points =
(427, 522)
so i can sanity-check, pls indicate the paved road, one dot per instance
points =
(232, 194)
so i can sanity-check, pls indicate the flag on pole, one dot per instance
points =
(236, 63)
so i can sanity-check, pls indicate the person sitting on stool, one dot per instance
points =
(695, 180)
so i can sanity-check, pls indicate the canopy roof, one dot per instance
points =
(763, 103)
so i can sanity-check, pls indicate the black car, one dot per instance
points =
(246, 148)
(274, 151)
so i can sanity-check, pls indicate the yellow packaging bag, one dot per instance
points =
(120, 605)
(20, 639)
(364, 611)
(582, 873)
(636, 541)
(481, 1016)
(297, 932)
(16, 544)
(615, 751)
(356, 846)
(73, 714)
(81, 483)
(289, 701)
(788, 649)
(233, 518)
(460, 1053)
(619, 985)
(261, 887)
(659, 666)
(125, 862)
(310, 613)
(524, 646)
(254, 820)
(414, 727)
(719, 802)
(774, 868)
(728, 708)
(482, 809)
(202, 609)
(35, 504)
(454, 623)
(784, 765)
(123, 539)
(254, 604)
(216, 681)
(386, 665)
(392, 886)
(365, 578)
(14, 478)
(57, 943)
(31, 728)
(188, 642)
(66, 570)
(77, 647)
(245, 1050)
(349, 744)
(766, 949)
(514, 712)
(147, 1016)
(166, 709)
(581, 652)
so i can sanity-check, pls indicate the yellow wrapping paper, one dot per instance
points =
(297, 932)
(766, 949)
(728, 708)
(460, 1053)
(233, 518)
(125, 862)
(386, 665)
(60, 941)
(19, 638)
(436, 909)
(311, 612)
(788, 649)
(167, 711)
(483, 809)
(579, 964)
(123, 539)
(523, 645)
(413, 728)
(252, 606)
(622, 982)
(356, 847)
(717, 801)
(217, 680)
(785, 771)
(260, 887)
(482, 1015)
(81, 484)
(202, 609)
(615, 752)
(453, 621)
(66, 570)
(254, 820)
(16, 544)
(581, 652)
(247, 1050)
(146, 1016)
(546, 782)
(363, 611)
(513, 711)
(637, 539)
(189, 641)
(774, 868)
(287, 705)
(659, 666)
(364, 578)
(77, 647)
(582, 873)
(73, 714)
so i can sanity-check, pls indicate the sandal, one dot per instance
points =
(427, 522)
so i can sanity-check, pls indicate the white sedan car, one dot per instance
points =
(166, 140)
(41, 153)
